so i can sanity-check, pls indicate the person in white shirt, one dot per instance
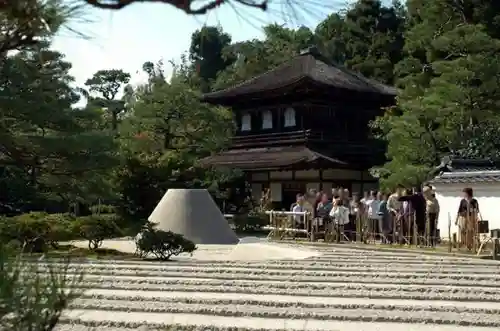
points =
(298, 207)
(393, 203)
(340, 217)
(373, 204)
(366, 197)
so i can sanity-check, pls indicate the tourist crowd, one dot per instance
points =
(403, 215)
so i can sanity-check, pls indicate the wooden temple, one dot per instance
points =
(304, 125)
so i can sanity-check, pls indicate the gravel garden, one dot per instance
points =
(330, 288)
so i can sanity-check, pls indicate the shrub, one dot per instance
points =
(96, 228)
(30, 230)
(36, 230)
(33, 297)
(251, 222)
(162, 244)
(61, 228)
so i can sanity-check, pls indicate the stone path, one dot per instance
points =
(340, 289)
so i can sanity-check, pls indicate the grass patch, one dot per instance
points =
(78, 253)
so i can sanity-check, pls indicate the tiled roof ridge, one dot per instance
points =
(258, 76)
(456, 170)
(454, 162)
(306, 61)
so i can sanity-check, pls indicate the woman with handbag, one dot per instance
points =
(467, 218)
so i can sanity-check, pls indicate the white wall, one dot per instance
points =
(449, 196)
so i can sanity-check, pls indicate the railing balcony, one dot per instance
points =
(334, 144)
(278, 138)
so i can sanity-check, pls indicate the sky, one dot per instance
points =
(141, 32)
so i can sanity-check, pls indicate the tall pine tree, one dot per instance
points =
(449, 101)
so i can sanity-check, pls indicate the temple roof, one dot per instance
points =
(309, 65)
(458, 171)
(269, 157)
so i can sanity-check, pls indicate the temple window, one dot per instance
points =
(246, 122)
(267, 120)
(289, 117)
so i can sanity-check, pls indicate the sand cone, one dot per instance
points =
(194, 214)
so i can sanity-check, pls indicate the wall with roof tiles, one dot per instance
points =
(449, 196)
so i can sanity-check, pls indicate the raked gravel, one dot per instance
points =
(340, 288)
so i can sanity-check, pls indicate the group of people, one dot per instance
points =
(402, 215)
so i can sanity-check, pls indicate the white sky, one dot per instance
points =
(127, 38)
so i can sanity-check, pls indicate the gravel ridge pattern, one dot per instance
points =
(342, 289)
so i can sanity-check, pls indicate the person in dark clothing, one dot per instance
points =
(418, 206)
(358, 216)
(385, 224)
(319, 196)
(322, 210)
(467, 218)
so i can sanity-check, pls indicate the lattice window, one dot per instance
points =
(267, 120)
(246, 122)
(290, 117)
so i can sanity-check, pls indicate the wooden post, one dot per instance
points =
(358, 227)
(449, 233)
(310, 224)
(475, 233)
(341, 233)
(364, 227)
(427, 239)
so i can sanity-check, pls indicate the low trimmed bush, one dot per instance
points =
(96, 228)
(161, 244)
(36, 231)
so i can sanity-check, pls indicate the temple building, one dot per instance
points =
(304, 125)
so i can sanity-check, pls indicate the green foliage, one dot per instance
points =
(46, 144)
(96, 228)
(367, 37)
(33, 296)
(26, 23)
(450, 98)
(162, 244)
(36, 231)
(104, 87)
(255, 57)
(161, 143)
(206, 53)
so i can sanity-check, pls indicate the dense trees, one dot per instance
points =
(168, 130)
(130, 143)
(48, 148)
(449, 101)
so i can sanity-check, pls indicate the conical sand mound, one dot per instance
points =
(195, 215)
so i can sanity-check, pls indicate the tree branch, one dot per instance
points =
(184, 5)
